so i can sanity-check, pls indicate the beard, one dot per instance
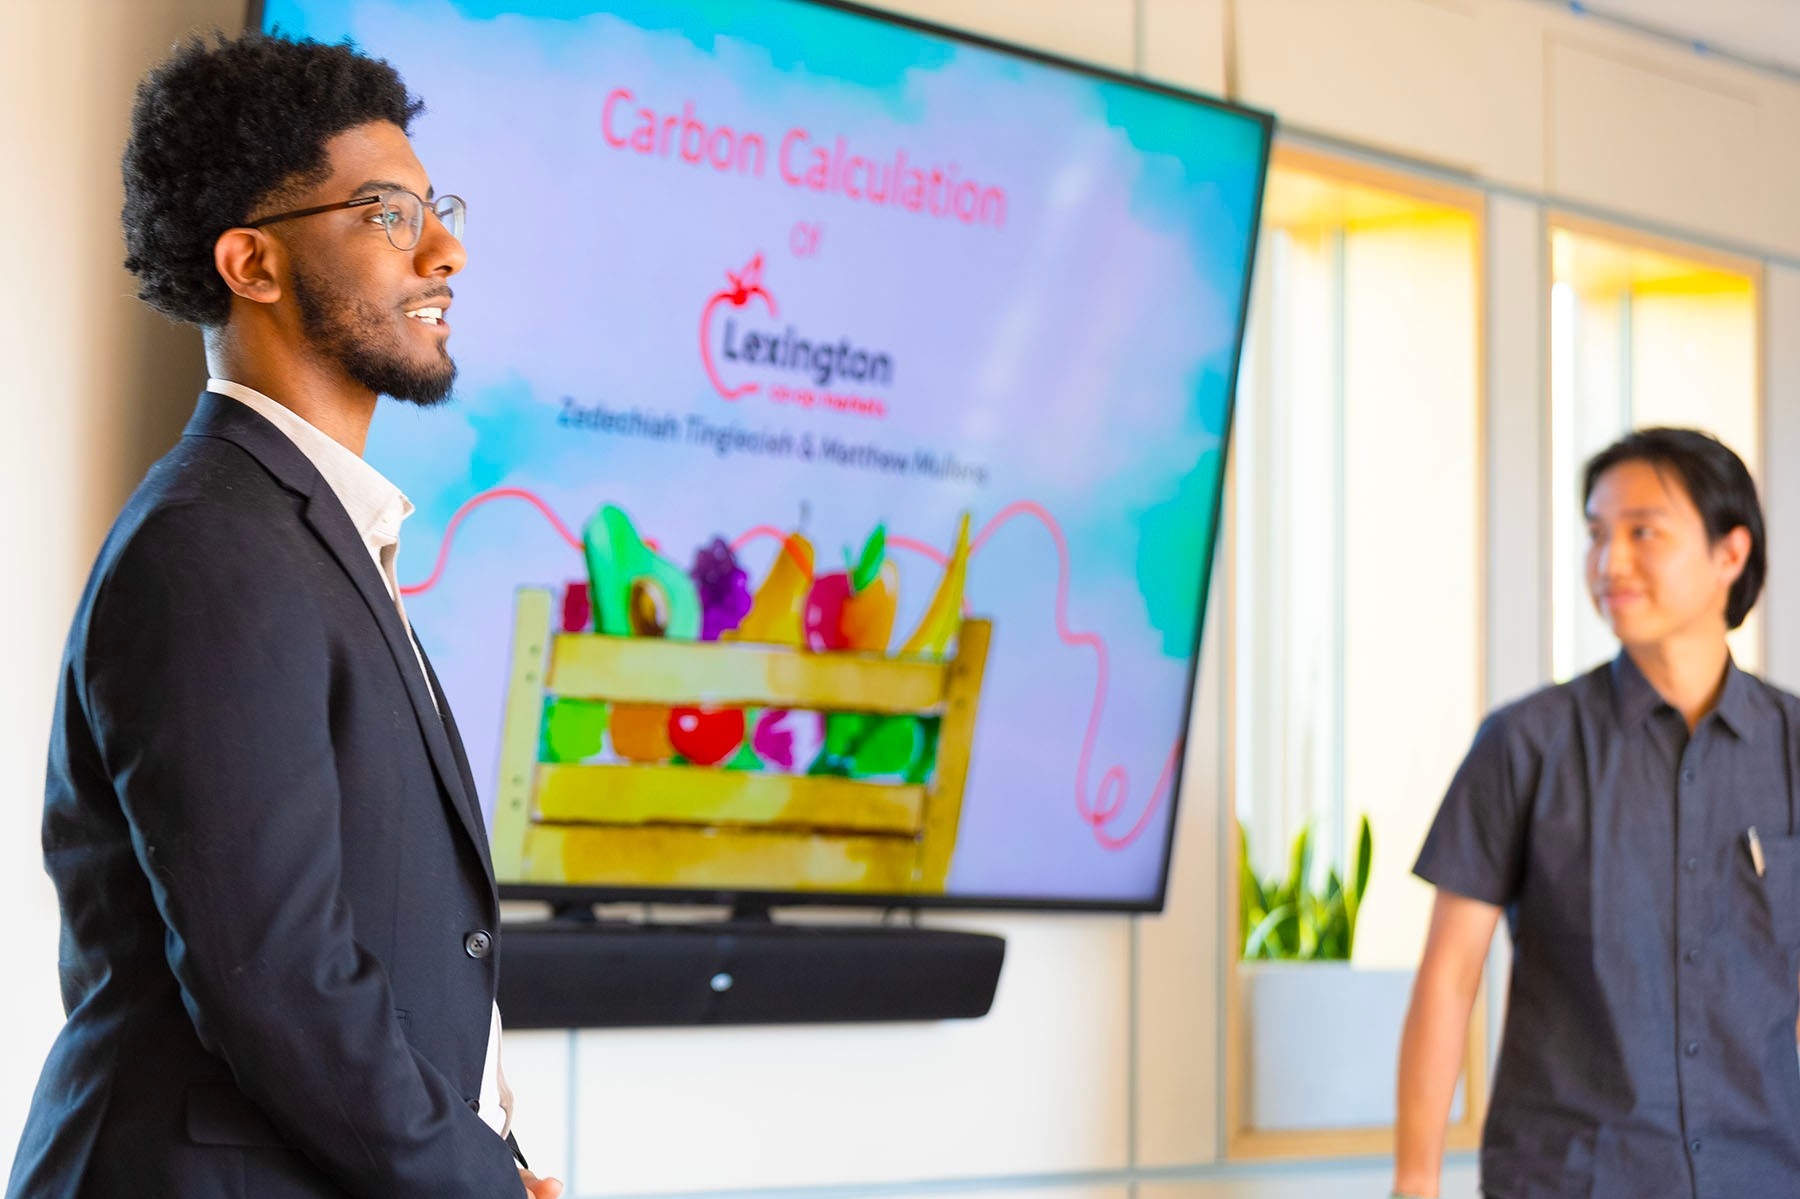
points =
(359, 337)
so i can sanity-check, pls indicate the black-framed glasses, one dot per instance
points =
(402, 215)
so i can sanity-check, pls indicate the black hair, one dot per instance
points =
(218, 130)
(1718, 483)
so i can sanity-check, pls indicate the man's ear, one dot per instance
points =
(1734, 549)
(251, 263)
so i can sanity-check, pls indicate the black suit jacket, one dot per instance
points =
(269, 857)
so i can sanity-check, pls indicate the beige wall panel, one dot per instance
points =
(1509, 105)
(1642, 134)
(1401, 75)
(96, 387)
(41, 374)
(1102, 32)
(1179, 958)
(1183, 44)
(1777, 192)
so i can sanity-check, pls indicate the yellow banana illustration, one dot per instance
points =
(943, 616)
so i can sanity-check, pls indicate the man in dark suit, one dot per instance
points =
(279, 918)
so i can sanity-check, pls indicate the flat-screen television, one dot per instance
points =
(826, 507)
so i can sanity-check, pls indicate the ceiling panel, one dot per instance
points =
(1766, 32)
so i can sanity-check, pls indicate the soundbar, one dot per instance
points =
(589, 974)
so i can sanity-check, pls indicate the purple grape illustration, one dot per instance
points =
(724, 589)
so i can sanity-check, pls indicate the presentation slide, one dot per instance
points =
(827, 498)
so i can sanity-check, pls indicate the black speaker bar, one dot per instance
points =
(572, 974)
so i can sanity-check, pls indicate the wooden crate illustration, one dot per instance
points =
(631, 824)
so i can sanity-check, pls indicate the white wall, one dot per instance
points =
(1098, 1072)
(93, 384)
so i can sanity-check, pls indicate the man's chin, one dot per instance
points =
(421, 388)
(431, 398)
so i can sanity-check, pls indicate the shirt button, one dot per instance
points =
(1691, 956)
(1691, 1048)
(1694, 1145)
(477, 944)
(1687, 776)
(1692, 864)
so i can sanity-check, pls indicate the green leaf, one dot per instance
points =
(1267, 929)
(1365, 857)
(868, 567)
(1250, 888)
(1306, 939)
(1287, 919)
(1300, 862)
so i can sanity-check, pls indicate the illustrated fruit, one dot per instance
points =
(943, 615)
(863, 745)
(635, 591)
(577, 611)
(723, 586)
(788, 741)
(825, 604)
(706, 736)
(774, 616)
(573, 729)
(867, 620)
(640, 732)
(745, 758)
(853, 609)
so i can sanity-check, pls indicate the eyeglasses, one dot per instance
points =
(402, 215)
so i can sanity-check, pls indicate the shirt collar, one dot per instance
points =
(376, 507)
(1736, 702)
(1634, 699)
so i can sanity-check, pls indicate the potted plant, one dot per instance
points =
(1322, 1036)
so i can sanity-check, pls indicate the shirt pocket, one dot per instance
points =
(1776, 892)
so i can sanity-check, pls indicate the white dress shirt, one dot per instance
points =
(376, 508)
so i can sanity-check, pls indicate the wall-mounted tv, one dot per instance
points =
(827, 503)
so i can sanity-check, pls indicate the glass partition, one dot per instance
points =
(1356, 566)
(1641, 333)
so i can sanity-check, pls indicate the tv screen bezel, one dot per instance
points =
(584, 894)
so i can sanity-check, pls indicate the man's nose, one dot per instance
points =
(439, 252)
(1614, 559)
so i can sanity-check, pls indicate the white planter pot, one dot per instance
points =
(1323, 1044)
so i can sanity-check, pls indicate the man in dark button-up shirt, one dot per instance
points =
(1637, 826)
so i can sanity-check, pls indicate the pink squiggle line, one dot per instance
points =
(1108, 800)
(487, 497)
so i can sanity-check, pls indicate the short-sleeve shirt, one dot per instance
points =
(1649, 1047)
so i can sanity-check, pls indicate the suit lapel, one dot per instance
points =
(223, 417)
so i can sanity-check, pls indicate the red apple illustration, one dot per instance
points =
(824, 615)
(853, 609)
(706, 736)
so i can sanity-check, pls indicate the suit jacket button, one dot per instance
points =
(477, 944)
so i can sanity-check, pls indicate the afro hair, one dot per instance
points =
(219, 129)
